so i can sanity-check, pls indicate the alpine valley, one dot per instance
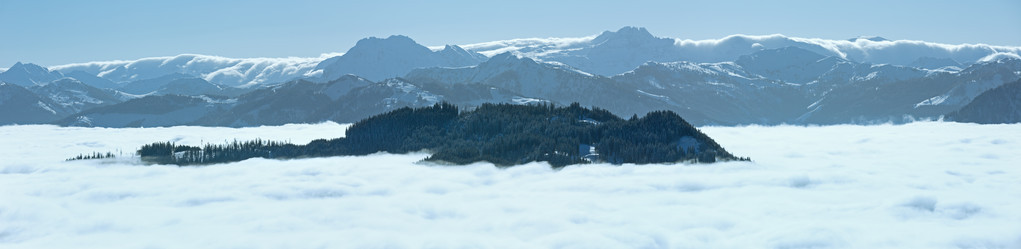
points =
(735, 80)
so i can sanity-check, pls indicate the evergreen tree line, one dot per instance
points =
(94, 155)
(503, 134)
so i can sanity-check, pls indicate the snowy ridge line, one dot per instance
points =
(608, 53)
(497, 47)
(901, 52)
(860, 49)
(106, 64)
(898, 52)
(860, 43)
(230, 71)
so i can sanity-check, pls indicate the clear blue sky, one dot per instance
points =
(59, 32)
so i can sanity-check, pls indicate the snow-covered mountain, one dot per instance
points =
(293, 102)
(220, 70)
(346, 99)
(792, 85)
(739, 79)
(612, 53)
(376, 98)
(50, 101)
(28, 74)
(902, 96)
(380, 58)
(607, 54)
(634, 46)
(996, 106)
(772, 86)
(20, 106)
(92, 80)
(178, 84)
(977, 79)
(148, 111)
(724, 92)
(72, 96)
(150, 85)
(191, 87)
(554, 82)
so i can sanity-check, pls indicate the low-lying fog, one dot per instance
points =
(920, 185)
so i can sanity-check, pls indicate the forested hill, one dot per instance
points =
(503, 134)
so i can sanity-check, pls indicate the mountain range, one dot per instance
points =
(731, 81)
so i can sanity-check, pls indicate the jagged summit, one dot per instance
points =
(394, 43)
(625, 33)
(28, 67)
(382, 58)
(393, 39)
(19, 66)
(28, 74)
(454, 54)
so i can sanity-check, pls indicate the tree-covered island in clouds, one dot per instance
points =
(502, 134)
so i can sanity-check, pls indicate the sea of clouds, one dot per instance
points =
(919, 185)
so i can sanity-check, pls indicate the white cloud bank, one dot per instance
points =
(221, 70)
(921, 185)
(730, 48)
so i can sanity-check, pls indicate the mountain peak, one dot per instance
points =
(507, 58)
(27, 66)
(454, 55)
(393, 41)
(66, 83)
(508, 61)
(349, 77)
(395, 46)
(628, 33)
(633, 31)
(453, 49)
(380, 58)
(28, 74)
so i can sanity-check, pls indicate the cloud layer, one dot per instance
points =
(899, 52)
(222, 70)
(921, 185)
